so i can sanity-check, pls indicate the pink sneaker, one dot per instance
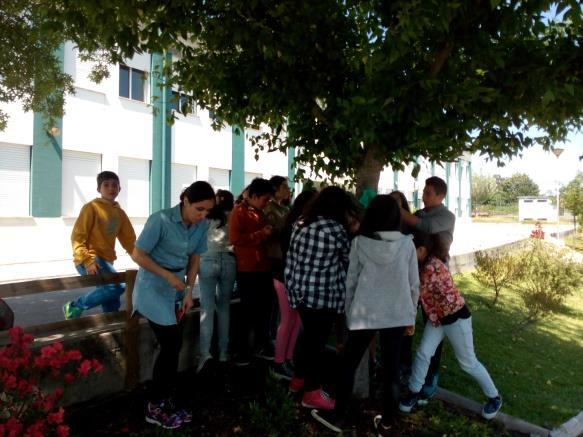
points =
(296, 384)
(318, 399)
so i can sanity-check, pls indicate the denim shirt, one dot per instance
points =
(170, 243)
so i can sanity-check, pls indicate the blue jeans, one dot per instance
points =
(461, 338)
(105, 295)
(216, 278)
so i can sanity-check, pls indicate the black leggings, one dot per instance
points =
(164, 375)
(257, 295)
(358, 341)
(309, 355)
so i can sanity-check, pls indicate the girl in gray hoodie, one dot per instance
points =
(382, 290)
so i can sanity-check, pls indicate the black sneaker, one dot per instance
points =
(409, 402)
(329, 419)
(282, 371)
(242, 361)
(265, 354)
(492, 407)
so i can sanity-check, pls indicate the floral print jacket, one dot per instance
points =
(439, 295)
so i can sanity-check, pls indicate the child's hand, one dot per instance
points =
(409, 330)
(268, 230)
(92, 269)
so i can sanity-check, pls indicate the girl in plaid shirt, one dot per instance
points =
(315, 279)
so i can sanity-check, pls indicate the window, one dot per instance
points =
(131, 83)
(182, 103)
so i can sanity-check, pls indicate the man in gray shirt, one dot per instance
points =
(434, 218)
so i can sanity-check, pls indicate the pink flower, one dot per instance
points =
(62, 431)
(84, 368)
(56, 417)
(97, 366)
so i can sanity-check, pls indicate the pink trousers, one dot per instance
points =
(289, 326)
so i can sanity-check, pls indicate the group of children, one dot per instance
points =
(312, 265)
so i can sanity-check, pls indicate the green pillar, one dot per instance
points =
(162, 134)
(416, 188)
(469, 172)
(459, 186)
(291, 171)
(447, 175)
(395, 180)
(433, 169)
(238, 160)
(47, 161)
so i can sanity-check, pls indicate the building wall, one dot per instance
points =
(102, 130)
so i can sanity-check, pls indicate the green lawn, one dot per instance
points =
(575, 241)
(537, 368)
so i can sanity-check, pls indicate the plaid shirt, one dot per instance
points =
(316, 263)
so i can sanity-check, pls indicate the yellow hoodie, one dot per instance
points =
(99, 223)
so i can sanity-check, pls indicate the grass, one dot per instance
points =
(536, 368)
(575, 241)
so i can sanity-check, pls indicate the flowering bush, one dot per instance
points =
(25, 408)
(538, 232)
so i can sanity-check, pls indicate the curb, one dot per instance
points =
(571, 428)
(511, 423)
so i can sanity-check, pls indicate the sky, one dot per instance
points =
(542, 167)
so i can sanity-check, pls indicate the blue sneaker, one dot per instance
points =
(409, 402)
(491, 407)
(429, 390)
(71, 311)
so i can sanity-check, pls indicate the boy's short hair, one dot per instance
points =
(259, 187)
(438, 184)
(106, 175)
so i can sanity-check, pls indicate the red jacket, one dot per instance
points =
(248, 238)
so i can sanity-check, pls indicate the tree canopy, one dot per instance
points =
(355, 85)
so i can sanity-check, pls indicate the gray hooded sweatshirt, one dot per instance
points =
(382, 284)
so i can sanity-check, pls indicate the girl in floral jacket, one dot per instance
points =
(448, 316)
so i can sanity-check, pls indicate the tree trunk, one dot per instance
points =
(369, 173)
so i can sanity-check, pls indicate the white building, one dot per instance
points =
(117, 125)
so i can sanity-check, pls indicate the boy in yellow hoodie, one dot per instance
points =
(100, 222)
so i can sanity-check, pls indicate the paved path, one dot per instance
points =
(47, 307)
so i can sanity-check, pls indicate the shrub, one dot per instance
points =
(25, 408)
(276, 414)
(496, 270)
(548, 276)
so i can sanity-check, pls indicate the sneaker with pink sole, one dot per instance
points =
(318, 399)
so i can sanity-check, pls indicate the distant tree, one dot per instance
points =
(572, 198)
(484, 189)
(518, 185)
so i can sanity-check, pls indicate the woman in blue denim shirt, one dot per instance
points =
(167, 250)
(216, 279)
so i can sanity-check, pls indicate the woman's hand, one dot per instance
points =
(176, 283)
(409, 330)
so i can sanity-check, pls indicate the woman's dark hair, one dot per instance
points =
(331, 203)
(276, 181)
(259, 187)
(225, 202)
(298, 207)
(296, 211)
(433, 243)
(403, 202)
(383, 214)
(240, 197)
(197, 192)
